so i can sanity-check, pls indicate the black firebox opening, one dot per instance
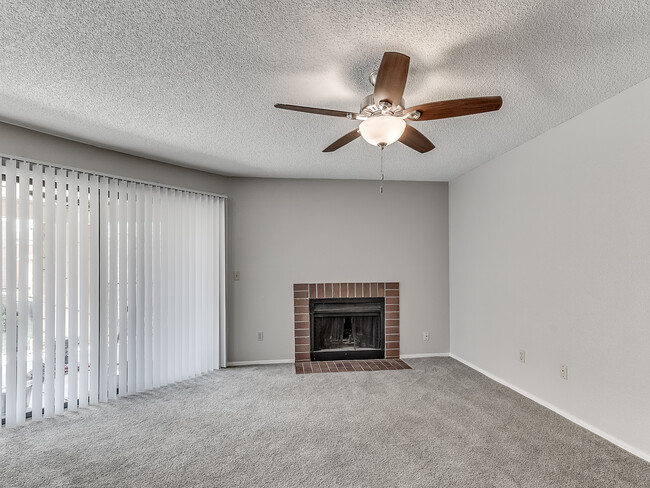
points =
(346, 328)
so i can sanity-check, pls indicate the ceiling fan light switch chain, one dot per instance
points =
(381, 173)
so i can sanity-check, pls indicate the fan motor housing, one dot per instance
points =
(369, 107)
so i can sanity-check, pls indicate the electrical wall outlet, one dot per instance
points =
(564, 372)
(522, 356)
(425, 336)
(260, 336)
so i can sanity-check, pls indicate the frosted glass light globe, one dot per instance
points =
(382, 130)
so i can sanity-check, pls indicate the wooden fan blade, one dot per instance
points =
(414, 139)
(391, 78)
(319, 111)
(347, 138)
(456, 108)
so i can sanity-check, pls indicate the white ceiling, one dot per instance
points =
(194, 82)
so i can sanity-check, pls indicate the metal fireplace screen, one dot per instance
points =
(351, 328)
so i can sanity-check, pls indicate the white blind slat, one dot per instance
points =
(131, 283)
(185, 304)
(210, 287)
(155, 268)
(10, 370)
(148, 373)
(113, 238)
(191, 256)
(221, 272)
(23, 290)
(37, 293)
(94, 325)
(60, 300)
(199, 344)
(203, 288)
(84, 292)
(140, 285)
(178, 280)
(2, 287)
(104, 291)
(215, 275)
(73, 291)
(122, 289)
(164, 280)
(50, 297)
(173, 289)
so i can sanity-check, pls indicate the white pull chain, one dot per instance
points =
(381, 176)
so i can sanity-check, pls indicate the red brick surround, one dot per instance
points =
(302, 292)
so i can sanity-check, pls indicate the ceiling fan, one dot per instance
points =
(383, 113)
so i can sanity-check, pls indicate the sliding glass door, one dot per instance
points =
(109, 287)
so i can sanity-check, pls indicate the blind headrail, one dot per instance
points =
(62, 167)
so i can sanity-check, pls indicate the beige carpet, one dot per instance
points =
(440, 424)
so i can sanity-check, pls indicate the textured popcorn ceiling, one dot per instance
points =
(194, 82)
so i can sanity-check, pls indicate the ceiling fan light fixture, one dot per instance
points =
(382, 130)
(385, 114)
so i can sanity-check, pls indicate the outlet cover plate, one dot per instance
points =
(564, 372)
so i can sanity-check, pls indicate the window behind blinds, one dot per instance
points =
(109, 287)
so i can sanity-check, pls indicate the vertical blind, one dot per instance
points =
(109, 287)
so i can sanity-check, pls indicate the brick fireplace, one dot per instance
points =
(302, 292)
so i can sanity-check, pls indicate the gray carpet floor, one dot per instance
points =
(440, 424)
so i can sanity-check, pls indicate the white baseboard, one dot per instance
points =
(261, 361)
(425, 355)
(614, 440)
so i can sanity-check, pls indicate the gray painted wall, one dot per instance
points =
(550, 253)
(29, 144)
(292, 231)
